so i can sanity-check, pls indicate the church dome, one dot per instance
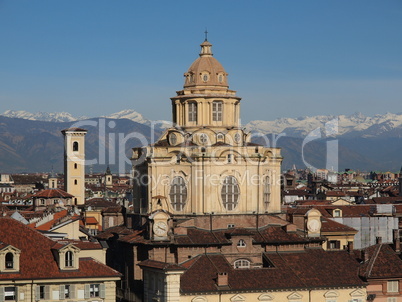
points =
(206, 70)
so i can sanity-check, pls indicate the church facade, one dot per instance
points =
(205, 163)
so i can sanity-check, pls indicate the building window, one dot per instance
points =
(9, 260)
(334, 245)
(75, 146)
(178, 193)
(42, 201)
(337, 213)
(42, 292)
(217, 110)
(220, 137)
(241, 243)
(75, 181)
(192, 112)
(392, 299)
(205, 77)
(67, 291)
(230, 193)
(173, 138)
(75, 166)
(94, 290)
(10, 293)
(69, 259)
(267, 190)
(220, 78)
(203, 139)
(392, 286)
(242, 263)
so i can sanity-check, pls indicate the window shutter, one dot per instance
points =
(16, 293)
(37, 293)
(1, 294)
(72, 291)
(47, 292)
(62, 292)
(86, 295)
(102, 291)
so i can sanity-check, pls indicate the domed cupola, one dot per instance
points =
(206, 70)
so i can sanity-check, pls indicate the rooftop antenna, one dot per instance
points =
(206, 34)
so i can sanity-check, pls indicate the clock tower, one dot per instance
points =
(206, 163)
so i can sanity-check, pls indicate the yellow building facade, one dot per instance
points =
(206, 162)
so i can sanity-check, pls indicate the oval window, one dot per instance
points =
(230, 193)
(173, 139)
(178, 193)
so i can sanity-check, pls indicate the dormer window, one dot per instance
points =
(69, 259)
(242, 263)
(9, 260)
(337, 213)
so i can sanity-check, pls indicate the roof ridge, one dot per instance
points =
(373, 259)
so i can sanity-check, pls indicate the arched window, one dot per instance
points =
(217, 111)
(192, 112)
(267, 190)
(75, 181)
(241, 243)
(75, 166)
(178, 193)
(75, 146)
(242, 263)
(9, 260)
(69, 259)
(230, 193)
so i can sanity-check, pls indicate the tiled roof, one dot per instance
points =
(100, 203)
(382, 262)
(293, 270)
(53, 193)
(83, 245)
(58, 218)
(116, 230)
(161, 265)
(329, 225)
(276, 234)
(37, 260)
(74, 129)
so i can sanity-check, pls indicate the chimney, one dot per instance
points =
(350, 246)
(397, 241)
(378, 240)
(223, 279)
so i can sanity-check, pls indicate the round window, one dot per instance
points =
(205, 77)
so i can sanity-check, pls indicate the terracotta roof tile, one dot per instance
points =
(293, 270)
(53, 193)
(37, 260)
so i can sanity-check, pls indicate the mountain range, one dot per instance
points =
(32, 142)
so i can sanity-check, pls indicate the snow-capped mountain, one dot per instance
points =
(349, 125)
(42, 116)
(129, 114)
(389, 124)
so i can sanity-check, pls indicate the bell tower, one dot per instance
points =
(74, 163)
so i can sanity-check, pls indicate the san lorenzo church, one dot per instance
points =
(207, 224)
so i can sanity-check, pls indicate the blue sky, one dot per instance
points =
(284, 58)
